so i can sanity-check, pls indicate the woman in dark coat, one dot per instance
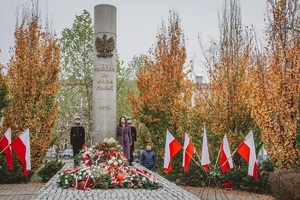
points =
(123, 136)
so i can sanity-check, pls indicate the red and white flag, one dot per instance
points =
(21, 147)
(205, 156)
(247, 150)
(225, 156)
(171, 149)
(5, 146)
(188, 149)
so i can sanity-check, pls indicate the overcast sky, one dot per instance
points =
(137, 22)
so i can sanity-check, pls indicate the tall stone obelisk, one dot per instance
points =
(104, 73)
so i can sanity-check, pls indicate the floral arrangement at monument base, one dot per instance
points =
(105, 166)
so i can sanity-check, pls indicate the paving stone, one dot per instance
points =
(169, 191)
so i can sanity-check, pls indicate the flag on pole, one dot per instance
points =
(21, 147)
(205, 156)
(225, 156)
(188, 149)
(247, 150)
(5, 146)
(171, 149)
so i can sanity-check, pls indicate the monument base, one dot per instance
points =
(97, 137)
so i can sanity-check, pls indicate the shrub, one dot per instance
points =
(194, 177)
(15, 175)
(240, 178)
(285, 184)
(50, 169)
(35, 177)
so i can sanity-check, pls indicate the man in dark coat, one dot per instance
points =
(148, 158)
(77, 138)
(133, 136)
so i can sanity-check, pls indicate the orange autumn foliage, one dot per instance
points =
(221, 102)
(164, 92)
(274, 79)
(32, 80)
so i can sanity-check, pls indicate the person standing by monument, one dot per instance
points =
(148, 158)
(77, 137)
(123, 136)
(133, 136)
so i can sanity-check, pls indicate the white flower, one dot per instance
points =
(120, 161)
(110, 162)
(66, 181)
(79, 177)
(110, 141)
(115, 163)
(144, 179)
(113, 158)
(92, 176)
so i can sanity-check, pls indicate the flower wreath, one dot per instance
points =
(105, 166)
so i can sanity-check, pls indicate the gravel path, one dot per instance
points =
(210, 194)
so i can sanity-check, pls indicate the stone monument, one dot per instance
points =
(104, 73)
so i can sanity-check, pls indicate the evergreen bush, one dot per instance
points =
(195, 176)
(12, 176)
(240, 178)
(50, 169)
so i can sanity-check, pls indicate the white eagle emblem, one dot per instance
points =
(105, 47)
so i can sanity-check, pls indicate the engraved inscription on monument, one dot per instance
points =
(104, 108)
(104, 81)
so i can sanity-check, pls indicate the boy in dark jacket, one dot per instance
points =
(148, 158)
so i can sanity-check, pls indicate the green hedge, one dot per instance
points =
(50, 169)
(238, 176)
(15, 175)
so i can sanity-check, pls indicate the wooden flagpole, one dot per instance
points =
(5, 148)
(198, 156)
(192, 158)
(217, 157)
(197, 162)
(230, 156)
(234, 151)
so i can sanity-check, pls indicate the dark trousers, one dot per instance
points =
(76, 150)
(131, 153)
